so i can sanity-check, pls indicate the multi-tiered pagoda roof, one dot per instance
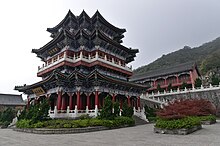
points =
(83, 30)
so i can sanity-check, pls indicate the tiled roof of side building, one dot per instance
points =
(164, 71)
(11, 99)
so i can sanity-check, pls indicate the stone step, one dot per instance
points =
(139, 121)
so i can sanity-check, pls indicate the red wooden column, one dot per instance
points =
(121, 103)
(139, 101)
(59, 100)
(28, 104)
(96, 98)
(191, 78)
(78, 100)
(177, 78)
(129, 101)
(70, 101)
(88, 101)
(63, 103)
(113, 97)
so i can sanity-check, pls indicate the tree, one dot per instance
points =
(149, 112)
(116, 107)
(189, 107)
(169, 87)
(198, 82)
(8, 115)
(184, 85)
(127, 111)
(159, 88)
(215, 80)
(106, 112)
(35, 113)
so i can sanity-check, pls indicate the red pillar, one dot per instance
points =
(96, 98)
(78, 100)
(88, 102)
(70, 101)
(129, 101)
(154, 83)
(63, 103)
(191, 78)
(139, 101)
(121, 103)
(113, 97)
(28, 103)
(59, 100)
(177, 79)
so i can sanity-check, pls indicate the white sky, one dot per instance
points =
(155, 27)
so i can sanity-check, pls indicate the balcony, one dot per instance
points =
(81, 57)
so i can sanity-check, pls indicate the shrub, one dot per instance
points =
(84, 123)
(207, 118)
(85, 116)
(152, 119)
(125, 121)
(23, 123)
(38, 125)
(149, 112)
(127, 111)
(67, 125)
(184, 108)
(187, 122)
(95, 122)
(5, 124)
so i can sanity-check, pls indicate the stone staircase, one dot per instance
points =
(139, 121)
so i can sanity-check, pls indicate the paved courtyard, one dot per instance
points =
(134, 136)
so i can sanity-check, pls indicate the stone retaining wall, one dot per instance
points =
(65, 130)
(177, 131)
(61, 130)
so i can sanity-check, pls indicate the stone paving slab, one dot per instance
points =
(142, 135)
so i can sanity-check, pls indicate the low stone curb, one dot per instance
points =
(61, 130)
(65, 130)
(177, 131)
(208, 122)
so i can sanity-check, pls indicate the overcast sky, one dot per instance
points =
(155, 27)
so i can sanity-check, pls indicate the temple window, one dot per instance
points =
(55, 59)
(61, 55)
(49, 61)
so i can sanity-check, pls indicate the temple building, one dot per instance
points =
(83, 63)
(11, 101)
(174, 77)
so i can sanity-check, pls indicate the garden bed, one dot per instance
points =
(182, 131)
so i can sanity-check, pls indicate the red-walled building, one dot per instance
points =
(173, 76)
(83, 63)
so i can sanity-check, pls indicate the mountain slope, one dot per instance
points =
(207, 57)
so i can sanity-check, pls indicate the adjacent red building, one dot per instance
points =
(173, 76)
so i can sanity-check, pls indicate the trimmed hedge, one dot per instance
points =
(207, 118)
(58, 123)
(187, 122)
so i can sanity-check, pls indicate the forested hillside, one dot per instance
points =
(207, 57)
